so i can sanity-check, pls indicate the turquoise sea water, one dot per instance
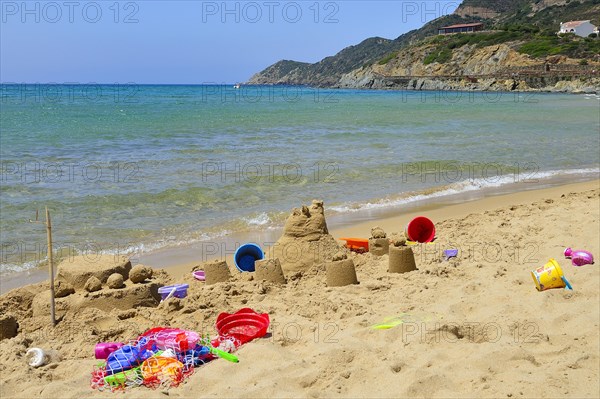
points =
(136, 168)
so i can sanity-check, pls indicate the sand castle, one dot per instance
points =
(270, 270)
(379, 244)
(101, 281)
(216, 272)
(402, 258)
(78, 270)
(340, 271)
(306, 240)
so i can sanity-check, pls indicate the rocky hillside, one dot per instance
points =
(465, 61)
(519, 33)
(491, 68)
(328, 71)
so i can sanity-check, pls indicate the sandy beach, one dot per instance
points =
(391, 199)
(470, 326)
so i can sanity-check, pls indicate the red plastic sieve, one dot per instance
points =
(244, 325)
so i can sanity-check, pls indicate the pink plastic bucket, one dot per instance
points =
(420, 229)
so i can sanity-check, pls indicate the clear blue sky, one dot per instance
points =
(188, 41)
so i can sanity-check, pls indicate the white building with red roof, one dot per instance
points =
(580, 28)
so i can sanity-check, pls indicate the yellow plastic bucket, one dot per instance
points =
(548, 276)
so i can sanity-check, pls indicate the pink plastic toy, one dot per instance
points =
(166, 338)
(103, 349)
(579, 257)
(199, 275)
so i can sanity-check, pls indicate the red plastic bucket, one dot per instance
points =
(420, 229)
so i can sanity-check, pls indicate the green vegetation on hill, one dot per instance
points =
(536, 43)
(536, 31)
(478, 39)
(570, 45)
(441, 55)
(387, 58)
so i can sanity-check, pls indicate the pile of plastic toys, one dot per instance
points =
(165, 357)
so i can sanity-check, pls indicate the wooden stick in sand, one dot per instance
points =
(50, 263)
(50, 266)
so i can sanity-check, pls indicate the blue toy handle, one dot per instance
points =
(568, 285)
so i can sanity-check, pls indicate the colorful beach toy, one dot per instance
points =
(126, 358)
(550, 276)
(360, 245)
(420, 229)
(164, 338)
(162, 368)
(393, 321)
(246, 256)
(199, 275)
(450, 253)
(244, 325)
(103, 349)
(123, 377)
(177, 290)
(579, 257)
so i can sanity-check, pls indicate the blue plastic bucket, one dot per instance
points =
(246, 255)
